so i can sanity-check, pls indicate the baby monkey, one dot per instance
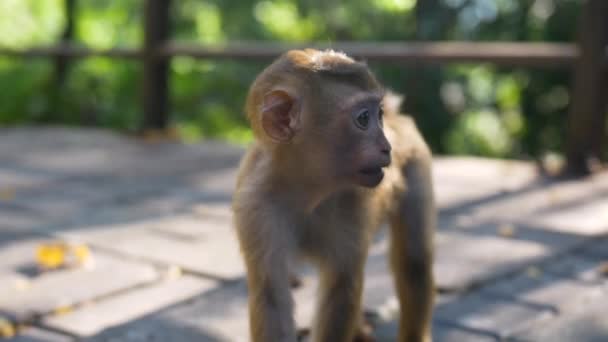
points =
(333, 160)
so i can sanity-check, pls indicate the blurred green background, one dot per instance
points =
(474, 109)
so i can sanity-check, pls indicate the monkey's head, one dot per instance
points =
(322, 111)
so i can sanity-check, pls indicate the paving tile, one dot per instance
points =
(458, 264)
(91, 199)
(96, 151)
(379, 288)
(168, 203)
(213, 252)
(462, 181)
(388, 332)
(588, 323)
(58, 289)
(157, 328)
(221, 315)
(58, 200)
(598, 249)
(585, 218)
(575, 207)
(14, 178)
(223, 181)
(143, 206)
(33, 334)
(17, 248)
(215, 210)
(217, 315)
(537, 287)
(15, 218)
(583, 267)
(97, 316)
(201, 227)
(498, 316)
(10, 281)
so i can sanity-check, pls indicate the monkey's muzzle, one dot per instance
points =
(372, 171)
(371, 176)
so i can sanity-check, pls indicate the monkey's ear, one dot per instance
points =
(279, 115)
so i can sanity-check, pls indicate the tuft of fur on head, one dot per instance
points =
(329, 59)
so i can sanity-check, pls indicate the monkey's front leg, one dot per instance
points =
(270, 301)
(339, 308)
(412, 230)
(270, 308)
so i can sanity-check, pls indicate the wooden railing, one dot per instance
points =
(588, 59)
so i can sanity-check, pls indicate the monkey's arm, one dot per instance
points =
(340, 289)
(412, 229)
(265, 245)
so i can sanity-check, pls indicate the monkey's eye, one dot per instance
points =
(362, 119)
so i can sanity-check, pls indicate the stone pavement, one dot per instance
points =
(519, 257)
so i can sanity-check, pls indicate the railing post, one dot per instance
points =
(61, 62)
(587, 116)
(155, 91)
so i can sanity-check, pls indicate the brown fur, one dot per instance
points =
(300, 195)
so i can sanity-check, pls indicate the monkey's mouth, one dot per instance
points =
(370, 177)
(372, 171)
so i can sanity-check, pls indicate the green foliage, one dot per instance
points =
(479, 109)
(23, 97)
(28, 22)
(104, 24)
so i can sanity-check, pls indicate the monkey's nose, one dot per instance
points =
(386, 149)
(385, 152)
(384, 145)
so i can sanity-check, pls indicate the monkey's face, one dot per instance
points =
(365, 150)
(353, 140)
(327, 123)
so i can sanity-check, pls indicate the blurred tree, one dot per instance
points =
(479, 109)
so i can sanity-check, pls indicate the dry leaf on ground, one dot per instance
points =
(603, 269)
(7, 329)
(53, 255)
(507, 230)
(7, 194)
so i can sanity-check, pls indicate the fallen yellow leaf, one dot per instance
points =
(7, 329)
(603, 269)
(7, 194)
(51, 255)
(62, 310)
(82, 253)
(507, 230)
